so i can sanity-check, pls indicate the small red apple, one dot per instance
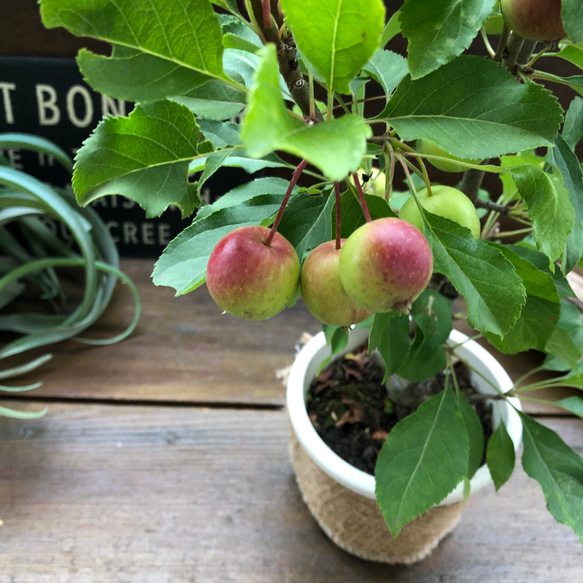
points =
(538, 20)
(385, 265)
(322, 290)
(250, 279)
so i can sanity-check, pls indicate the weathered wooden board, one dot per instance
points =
(182, 350)
(97, 493)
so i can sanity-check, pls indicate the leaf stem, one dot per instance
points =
(338, 214)
(295, 177)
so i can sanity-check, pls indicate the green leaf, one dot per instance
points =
(570, 169)
(573, 127)
(390, 336)
(182, 266)
(571, 53)
(336, 36)
(160, 50)
(572, 16)
(440, 30)
(474, 109)
(143, 157)
(306, 222)
(573, 404)
(558, 470)
(387, 69)
(480, 273)
(423, 459)
(391, 30)
(475, 435)
(549, 208)
(565, 346)
(214, 100)
(540, 314)
(431, 313)
(336, 146)
(500, 455)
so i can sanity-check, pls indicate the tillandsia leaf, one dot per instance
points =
(500, 455)
(568, 165)
(481, 111)
(549, 208)
(336, 147)
(572, 15)
(494, 292)
(162, 48)
(440, 30)
(423, 459)
(182, 266)
(36, 144)
(559, 471)
(336, 36)
(14, 414)
(144, 157)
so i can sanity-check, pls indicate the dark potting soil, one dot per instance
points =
(353, 412)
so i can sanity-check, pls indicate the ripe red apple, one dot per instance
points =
(250, 279)
(322, 290)
(538, 20)
(444, 201)
(385, 265)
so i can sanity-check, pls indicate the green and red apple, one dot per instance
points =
(322, 290)
(538, 20)
(385, 264)
(251, 279)
(444, 201)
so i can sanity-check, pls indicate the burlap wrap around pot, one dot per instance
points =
(342, 497)
(356, 524)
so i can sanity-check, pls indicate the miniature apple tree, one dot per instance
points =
(309, 89)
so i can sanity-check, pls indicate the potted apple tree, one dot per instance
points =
(347, 134)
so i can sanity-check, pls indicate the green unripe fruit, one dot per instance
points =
(452, 164)
(447, 202)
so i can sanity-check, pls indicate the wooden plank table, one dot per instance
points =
(164, 459)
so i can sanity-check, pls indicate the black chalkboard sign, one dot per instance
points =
(47, 97)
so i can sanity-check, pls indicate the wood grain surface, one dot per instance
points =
(95, 493)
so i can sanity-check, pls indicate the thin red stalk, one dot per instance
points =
(338, 214)
(295, 177)
(267, 14)
(361, 198)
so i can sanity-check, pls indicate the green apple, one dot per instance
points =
(373, 183)
(494, 24)
(444, 201)
(250, 279)
(538, 20)
(385, 264)
(452, 164)
(322, 289)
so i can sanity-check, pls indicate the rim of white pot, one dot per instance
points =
(304, 370)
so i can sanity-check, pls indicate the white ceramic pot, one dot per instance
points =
(324, 478)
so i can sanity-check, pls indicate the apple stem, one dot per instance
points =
(362, 198)
(338, 214)
(295, 177)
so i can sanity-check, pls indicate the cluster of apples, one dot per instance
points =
(383, 266)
